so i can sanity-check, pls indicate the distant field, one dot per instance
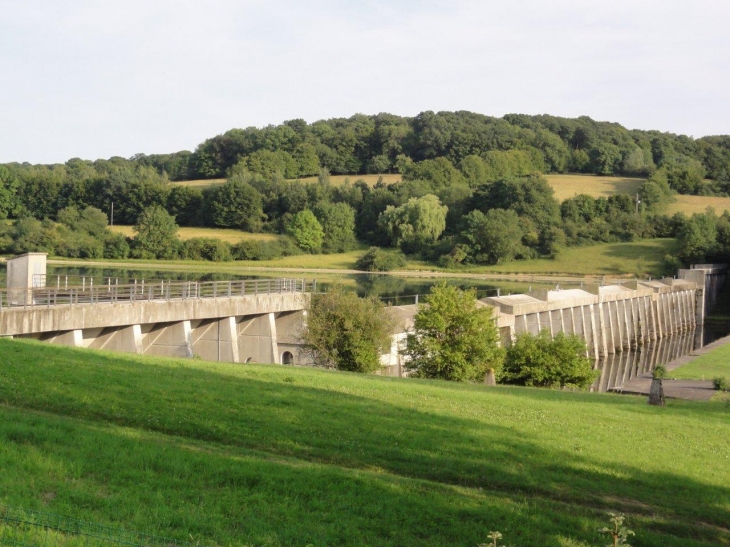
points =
(370, 180)
(231, 236)
(697, 204)
(567, 186)
(201, 183)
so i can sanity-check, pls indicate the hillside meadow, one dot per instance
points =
(271, 455)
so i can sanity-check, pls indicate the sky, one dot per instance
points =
(97, 78)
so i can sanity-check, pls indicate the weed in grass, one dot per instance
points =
(618, 533)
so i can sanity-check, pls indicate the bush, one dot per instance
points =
(205, 248)
(378, 260)
(541, 362)
(721, 384)
(264, 250)
(660, 371)
(116, 246)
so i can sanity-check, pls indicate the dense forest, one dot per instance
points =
(472, 191)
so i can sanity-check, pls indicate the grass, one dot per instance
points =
(272, 455)
(370, 180)
(231, 236)
(706, 367)
(595, 260)
(611, 259)
(201, 183)
(697, 204)
(567, 186)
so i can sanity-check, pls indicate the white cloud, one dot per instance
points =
(97, 78)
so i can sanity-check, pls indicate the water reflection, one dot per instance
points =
(620, 367)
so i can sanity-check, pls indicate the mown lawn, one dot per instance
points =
(273, 455)
(706, 367)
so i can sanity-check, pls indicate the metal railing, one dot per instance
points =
(146, 291)
(25, 528)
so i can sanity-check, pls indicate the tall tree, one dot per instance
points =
(235, 204)
(454, 337)
(347, 332)
(155, 234)
(414, 224)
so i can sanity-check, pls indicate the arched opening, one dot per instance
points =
(287, 358)
(250, 360)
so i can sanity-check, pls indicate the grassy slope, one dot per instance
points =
(706, 367)
(283, 456)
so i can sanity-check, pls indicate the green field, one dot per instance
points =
(273, 455)
(706, 367)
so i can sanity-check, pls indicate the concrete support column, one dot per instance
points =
(627, 322)
(616, 327)
(562, 321)
(228, 340)
(524, 324)
(130, 339)
(274, 344)
(605, 330)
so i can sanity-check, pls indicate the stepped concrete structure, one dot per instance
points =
(614, 318)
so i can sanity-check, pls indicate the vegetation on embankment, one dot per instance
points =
(713, 364)
(274, 455)
(640, 258)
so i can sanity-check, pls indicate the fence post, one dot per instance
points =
(229, 289)
(416, 300)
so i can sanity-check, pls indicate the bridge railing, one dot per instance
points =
(144, 291)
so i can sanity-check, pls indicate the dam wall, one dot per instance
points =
(234, 321)
(613, 318)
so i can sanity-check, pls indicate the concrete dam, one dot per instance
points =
(628, 327)
(236, 321)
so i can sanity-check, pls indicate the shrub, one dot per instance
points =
(378, 260)
(205, 248)
(721, 384)
(660, 371)
(264, 250)
(116, 246)
(544, 362)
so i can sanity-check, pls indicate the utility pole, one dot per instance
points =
(112, 214)
(637, 203)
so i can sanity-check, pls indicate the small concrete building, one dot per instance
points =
(26, 271)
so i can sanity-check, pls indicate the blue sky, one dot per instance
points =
(100, 78)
